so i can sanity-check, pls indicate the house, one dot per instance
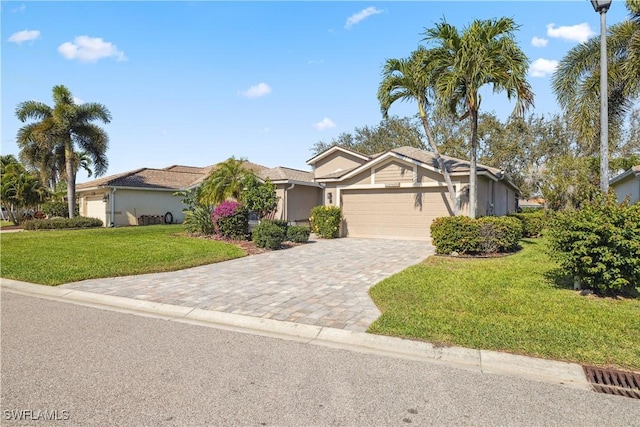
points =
(627, 184)
(398, 193)
(394, 194)
(131, 197)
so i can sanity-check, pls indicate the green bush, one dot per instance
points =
(60, 223)
(198, 219)
(325, 221)
(282, 223)
(499, 234)
(464, 235)
(268, 235)
(599, 245)
(533, 222)
(58, 208)
(298, 234)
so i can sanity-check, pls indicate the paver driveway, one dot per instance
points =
(324, 282)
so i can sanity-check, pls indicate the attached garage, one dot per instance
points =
(402, 213)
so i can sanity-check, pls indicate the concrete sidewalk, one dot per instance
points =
(487, 362)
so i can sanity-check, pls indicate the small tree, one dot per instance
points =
(260, 197)
(19, 189)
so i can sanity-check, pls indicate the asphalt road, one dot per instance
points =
(88, 366)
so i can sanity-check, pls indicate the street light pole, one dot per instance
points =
(601, 7)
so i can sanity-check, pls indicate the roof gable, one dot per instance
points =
(337, 148)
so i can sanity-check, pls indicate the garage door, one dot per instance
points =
(393, 213)
(96, 208)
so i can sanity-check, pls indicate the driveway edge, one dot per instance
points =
(482, 361)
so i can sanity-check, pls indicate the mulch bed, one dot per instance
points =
(247, 245)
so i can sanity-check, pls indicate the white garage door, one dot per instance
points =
(96, 208)
(393, 213)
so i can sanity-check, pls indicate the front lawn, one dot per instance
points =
(56, 257)
(515, 304)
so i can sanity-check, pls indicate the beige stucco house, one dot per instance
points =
(398, 193)
(627, 184)
(395, 194)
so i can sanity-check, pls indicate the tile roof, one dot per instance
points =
(281, 173)
(172, 178)
(454, 165)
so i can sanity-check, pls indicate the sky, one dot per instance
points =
(194, 83)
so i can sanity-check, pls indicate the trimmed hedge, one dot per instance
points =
(282, 223)
(268, 235)
(599, 245)
(61, 223)
(532, 222)
(298, 234)
(484, 235)
(325, 221)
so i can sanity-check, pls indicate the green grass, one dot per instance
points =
(518, 304)
(4, 223)
(56, 257)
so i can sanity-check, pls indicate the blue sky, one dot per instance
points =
(194, 83)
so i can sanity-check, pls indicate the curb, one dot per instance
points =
(482, 361)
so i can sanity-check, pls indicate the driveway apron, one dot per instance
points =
(323, 283)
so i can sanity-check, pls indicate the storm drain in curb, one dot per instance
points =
(611, 381)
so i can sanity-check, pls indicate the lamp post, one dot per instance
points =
(601, 7)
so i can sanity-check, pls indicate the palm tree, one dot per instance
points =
(19, 190)
(66, 126)
(486, 52)
(225, 181)
(407, 80)
(576, 81)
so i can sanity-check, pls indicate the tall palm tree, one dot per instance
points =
(407, 80)
(486, 52)
(576, 81)
(19, 190)
(66, 125)
(226, 180)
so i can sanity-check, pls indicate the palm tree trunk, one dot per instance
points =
(473, 175)
(440, 160)
(71, 180)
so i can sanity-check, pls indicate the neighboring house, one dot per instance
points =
(395, 194)
(535, 203)
(398, 193)
(627, 184)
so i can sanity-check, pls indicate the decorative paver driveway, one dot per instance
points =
(324, 282)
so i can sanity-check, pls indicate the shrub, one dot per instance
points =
(464, 235)
(231, 220)
(198, 219)
(533, 222)
(325, 221)
(599, 245)
(298, 234)
(60, 223)
(260, 197)
(499, 234)
(58, 208)
(282, 223)
(268, 235)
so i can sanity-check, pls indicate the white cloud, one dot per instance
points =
(578, 33)
(24, 36)
(356, 18)
(19, 9)
(77, 100)
(315, 61)
(326, 123)
(261, 89)
(539, 42)
(543, 67)
(90, 49)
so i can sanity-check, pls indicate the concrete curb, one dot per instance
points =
(483, 361)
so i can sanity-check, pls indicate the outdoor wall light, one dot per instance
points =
(330, 197)
(105, 198)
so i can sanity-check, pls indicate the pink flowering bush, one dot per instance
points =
(231, 220)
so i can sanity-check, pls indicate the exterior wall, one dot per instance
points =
(92, 205)
(280, 214)
(628, 187)
(131, 204)
(504, 199)
(330, 189)
(300, 200)
(338, 160)
(394, 171)
(426, 175)
(362, 178)
(485, 196)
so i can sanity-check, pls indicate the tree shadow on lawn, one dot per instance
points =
(559, 278)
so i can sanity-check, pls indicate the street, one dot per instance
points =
(86, 366)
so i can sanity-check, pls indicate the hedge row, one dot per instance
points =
(60, 223)
(532, 222)
(485, 235)
(271, 233)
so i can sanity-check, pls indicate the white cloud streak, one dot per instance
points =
(577, 33)
(256, 91)
(24, 36)
(356, 18)
(326, 123)
(90, 49)
(543, 67)
(539, 42)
